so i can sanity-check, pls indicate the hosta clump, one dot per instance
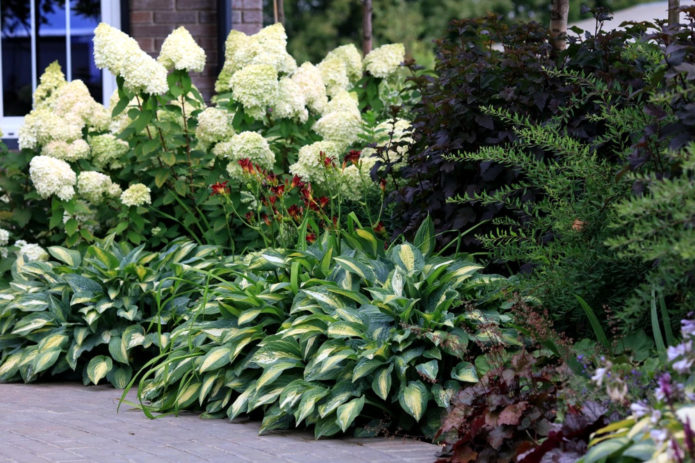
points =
(98, 314)
(337, 336)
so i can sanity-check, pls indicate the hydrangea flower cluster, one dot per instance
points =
(341, 122)
(180, 51)
(311, 161)
(95, 186)
(334, 74)
(30, 251)
(73, 151)
(291, 103)
(52, 176)
(136, 195)
(255, 87)
(107, 150)
(352, 58)
(120, 54)
(308, 79)
(4, 237)
(245, 145)
(385, 60)
(214, 125)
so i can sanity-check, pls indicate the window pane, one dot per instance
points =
(84, 18)
(16, 58)
(50, 43)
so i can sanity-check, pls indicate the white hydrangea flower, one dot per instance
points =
(290, 103)
(354, 183)
(334, 74)
(107, 150)
(255, 87)
(73, 151)
(52, 176)
(309, 80)
(246, 145)
(342, 127)
(343, 101)
(214, 124)
(136, 195)
(273, 45)
(310, 166)
(120, 54)
(50, 81)
(41, 126)
(385, 60)
(352, 59)
(30, 251)
(180, 51)
(94, 186)
(4, 237)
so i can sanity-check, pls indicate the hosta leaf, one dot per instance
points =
(10, 365)
(45, 359)
(414, 398)
(381, 384)
(325, 427)
(67, 256)
(31, 323)
(308, 403)
(241, 403)
(408, 257)
(424, 237)
(98, 368)
(120, 376)
(339, 395)
(341, 329)
(275, 418)
(117, 350)
(272, 372)
(466, 372)
(206, 387)
(347, 413)
(216, 358)
(53, 341)
(364, 367)
(605, 449)
(358, 268)
(188, 395)
(429, 370)
(133, 336)
(442, 396)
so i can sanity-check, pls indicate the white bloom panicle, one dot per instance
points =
(343, 101)
(4, 237)
(308, 79)
(214, 125)
(385, 60)
(30, 251)
(107, 150)
(136, 195)
(50, 81)
(245, 145)
(334, 74)
(342, 127)
(95, 186)
(255, 87)
(120, 54)
(73, 151)
(290, 103)
(352, 58)
(52, 176)
(310, 166)
(180, 51)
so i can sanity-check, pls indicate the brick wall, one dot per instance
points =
(152, 20)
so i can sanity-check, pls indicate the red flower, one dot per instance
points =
(295, 212)
(328, 162)
(273, 200)
(297, 182)
(382, 184)
(278, 190)
(272, 178)
(310, 238)
(323, 200)
(353, 156)
(249, 217)
(266, 219)
(219, 188)
(379, 228)
(246, 165)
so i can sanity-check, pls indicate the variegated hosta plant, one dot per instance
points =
(101, 314)
(334, 338)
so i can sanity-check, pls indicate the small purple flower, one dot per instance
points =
(640, 409)
(674, 352)
(659, 436)
(665, 389)
(687, 328)
(683, 366)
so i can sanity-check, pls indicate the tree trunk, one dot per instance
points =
(559, 12)
(281, 11)
(673, 13)
(366, 26)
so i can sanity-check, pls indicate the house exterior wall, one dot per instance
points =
(152, 20)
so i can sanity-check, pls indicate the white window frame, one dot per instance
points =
(110, 14)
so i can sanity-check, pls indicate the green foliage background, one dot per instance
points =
(316, 26)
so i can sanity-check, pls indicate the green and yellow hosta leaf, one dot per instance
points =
(341, 329)
(188, 395)
(428, 370)
(408, 257)
(308, 402)
(466, 372)
(347, 413)
(98, 368)
(241, 403)
(120, 376)
(216, 358)
(46, 359)
(364, 367)
(381, 384)
(67, 256)
(10, 365)
(414, 399)
(272, 372)
(53, 341)
(117, 350)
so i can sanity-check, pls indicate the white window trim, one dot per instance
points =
(110, 14)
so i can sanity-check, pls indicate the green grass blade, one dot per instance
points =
(656, 330)
(595, 324)
(670, 338)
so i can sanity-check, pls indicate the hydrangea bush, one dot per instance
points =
(145, 167)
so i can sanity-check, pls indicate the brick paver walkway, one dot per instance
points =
(73, 423)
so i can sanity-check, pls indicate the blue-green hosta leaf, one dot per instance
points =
(605, 449)
(308, 402)
(131, 314)
(424, 237)
(216, 358)
(347, 413)
(364, 367)
(340, 394)
(133, 335)
(9, 367)
(275, 418)
(67, 256)
(98, 368)
(342, 329)
(241, 403)
(30, 303)
(414, 398)
(272, 372)
(325, 299)
(31, 323)
(428, 370)
(357, 268)
(442, 396)
(188, 394)
(53, 341)
(120, 376)
(348, 293)
(292, 394)
(271, 350)
(326, 427)
(381, 384)
(45, 359)
(117, 350)
(465, 372)
(408, 257)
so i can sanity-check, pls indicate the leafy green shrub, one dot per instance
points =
(100, 314)
(334, 336)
